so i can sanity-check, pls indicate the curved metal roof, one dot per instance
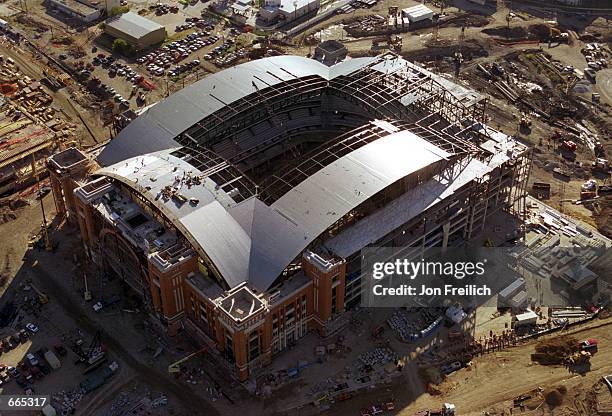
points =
(156, 128)
(254, 242)
(248, 240)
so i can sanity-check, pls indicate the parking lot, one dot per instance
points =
(43, 355)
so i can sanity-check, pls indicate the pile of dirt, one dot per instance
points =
(555, 350)
(540, 31)
(537, 31)
(6, 215)
(603, 216)
(430, 375)
(467, 20)
(505, 32)
(554, 397)
(471, 49)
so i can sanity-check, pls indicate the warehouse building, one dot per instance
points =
(76, 9)
(238, 207)
(136, 30)
(84, 10)
(285, 11)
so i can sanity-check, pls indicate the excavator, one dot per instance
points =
(176, 366)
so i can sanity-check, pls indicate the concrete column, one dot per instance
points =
(445, 234)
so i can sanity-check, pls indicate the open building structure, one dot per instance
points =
(238, 207)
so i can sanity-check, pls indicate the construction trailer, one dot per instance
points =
(529, 318)
(418, 13)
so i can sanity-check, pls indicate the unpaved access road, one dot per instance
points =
(504, 375)
(189, 400)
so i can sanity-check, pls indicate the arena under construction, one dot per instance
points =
(238, 207)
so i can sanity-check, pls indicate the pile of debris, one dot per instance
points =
(555, 350)
(403, 325)
(118, 406)
(67, 401)
(378, 356)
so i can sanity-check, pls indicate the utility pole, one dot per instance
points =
(42, 206)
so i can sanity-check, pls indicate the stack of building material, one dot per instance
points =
(514, 295)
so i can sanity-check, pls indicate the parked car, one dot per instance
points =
(21, 381)
(13, 372)
(32, 360)
(44, 368)
(32, 327)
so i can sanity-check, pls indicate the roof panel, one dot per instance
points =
(222, 239)
(401, 210)
(133, 24)
(157, 127)
(252, 241)
(320, 200)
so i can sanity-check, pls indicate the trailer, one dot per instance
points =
(48, 410)
(525, 319)
(52, 359)
(418, 13)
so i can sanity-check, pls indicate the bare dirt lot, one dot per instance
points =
(494, 380)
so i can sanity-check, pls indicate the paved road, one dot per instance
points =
(196, 405)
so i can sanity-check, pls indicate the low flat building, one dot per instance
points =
(418, 13)
(84, 10)
(76, 9)
(136, 30)
(285, 11)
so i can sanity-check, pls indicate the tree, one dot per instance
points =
(118, 10)
(121, 46)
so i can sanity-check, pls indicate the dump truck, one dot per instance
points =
(589, 344)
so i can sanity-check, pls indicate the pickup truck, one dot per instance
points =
(589, 344)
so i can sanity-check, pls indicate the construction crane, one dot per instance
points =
(175, 367)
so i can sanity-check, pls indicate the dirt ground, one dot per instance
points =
(494, 380)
